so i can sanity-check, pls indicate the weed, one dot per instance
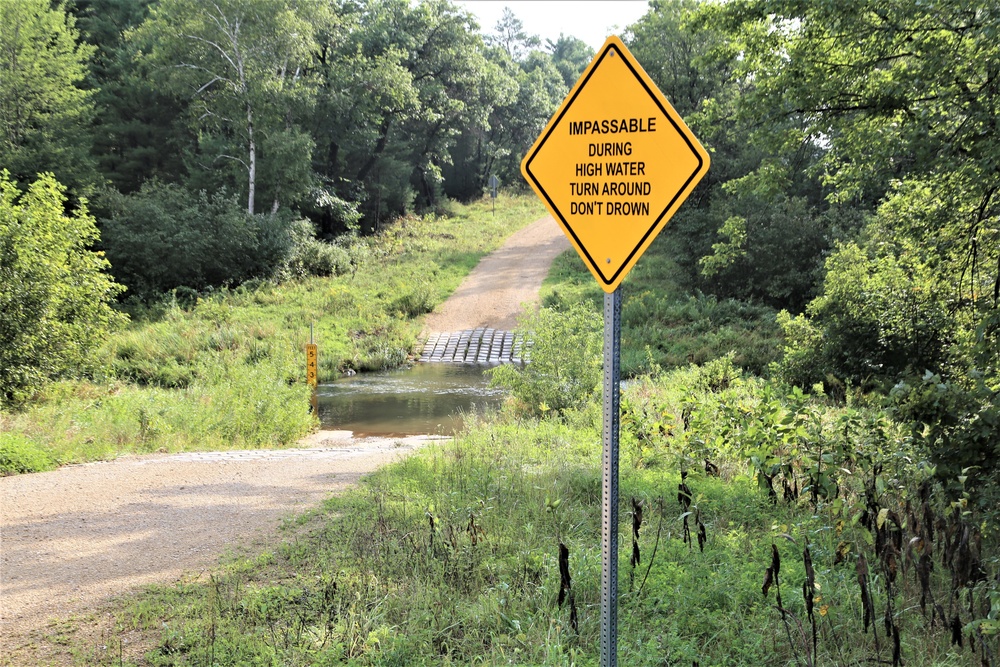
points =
(486, 550)
(19, 455)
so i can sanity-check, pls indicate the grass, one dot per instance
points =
(452, 556)
(227, 370)
(664, 325)
(771, 528)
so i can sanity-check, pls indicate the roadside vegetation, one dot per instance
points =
(225, 368)
(809, 429)
(758, 526)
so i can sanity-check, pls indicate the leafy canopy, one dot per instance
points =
(44, 110)
(55, 297)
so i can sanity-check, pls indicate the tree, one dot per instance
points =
(55, 297)
(509, 35)
(139, 130)
(241, 66)
(571, 56)
(45, 113)
(399, 82)
(515, 126)
(758, 201)
(530, 85)
(902, 96)
(903, 100)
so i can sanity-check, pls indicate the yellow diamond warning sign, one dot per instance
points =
(614, 163)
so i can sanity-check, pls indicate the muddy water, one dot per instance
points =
(427, 399)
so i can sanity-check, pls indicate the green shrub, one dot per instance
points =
(773, 254)
(416, 302)
(20, 455)
(54, 294)
(880, 316)
(318, 258)
(956, 423)
(565, 361)
(164, 237)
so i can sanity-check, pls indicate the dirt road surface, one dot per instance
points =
(76, 537)
(493, 293)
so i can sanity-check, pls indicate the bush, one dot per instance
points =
(565, 361)
(318, 258)
(955, 422)
(19, 455)
(416, 302)
(55, 298)
(164, 237)
(773, 254)
(879, 316)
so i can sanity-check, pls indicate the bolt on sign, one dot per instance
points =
(614, 163)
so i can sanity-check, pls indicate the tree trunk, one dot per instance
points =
(379, 147)
(252, 162)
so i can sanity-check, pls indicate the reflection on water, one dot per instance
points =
(426, 399)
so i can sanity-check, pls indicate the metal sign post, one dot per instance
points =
(609, 494)
(494, 182)
(612, 166)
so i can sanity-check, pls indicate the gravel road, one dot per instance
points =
(493, 293)
(73, 538)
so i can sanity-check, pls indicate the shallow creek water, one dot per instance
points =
(426, 399)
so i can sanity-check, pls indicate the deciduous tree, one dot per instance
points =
(241, 65)
(55, 297)
(45, 113)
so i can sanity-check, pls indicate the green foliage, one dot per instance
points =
(140, 136)
(317, 258)
(955, 424)
(239, 405)
(571, 56)
(235, 65)
(165, 236)
(881, 317)
(773, 253)
(756, 226)
(225, 368)
(44, 110)
(554, 379)
(19, 455)
(55, 298)
(892, 113)
(663, 326)
(529, 85)
(453, 554)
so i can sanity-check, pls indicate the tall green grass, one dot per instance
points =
(226, 369)
(452, 556)
(759, 525)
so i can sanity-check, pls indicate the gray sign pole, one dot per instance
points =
(609, 517)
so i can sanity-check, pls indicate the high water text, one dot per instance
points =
(611, 181)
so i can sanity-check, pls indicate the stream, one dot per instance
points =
(427, 399)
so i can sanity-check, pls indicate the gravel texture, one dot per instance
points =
(77, 536)
(494, 293)
(74, 538)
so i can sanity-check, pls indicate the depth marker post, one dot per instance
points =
(311, 360)
(609, 489)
